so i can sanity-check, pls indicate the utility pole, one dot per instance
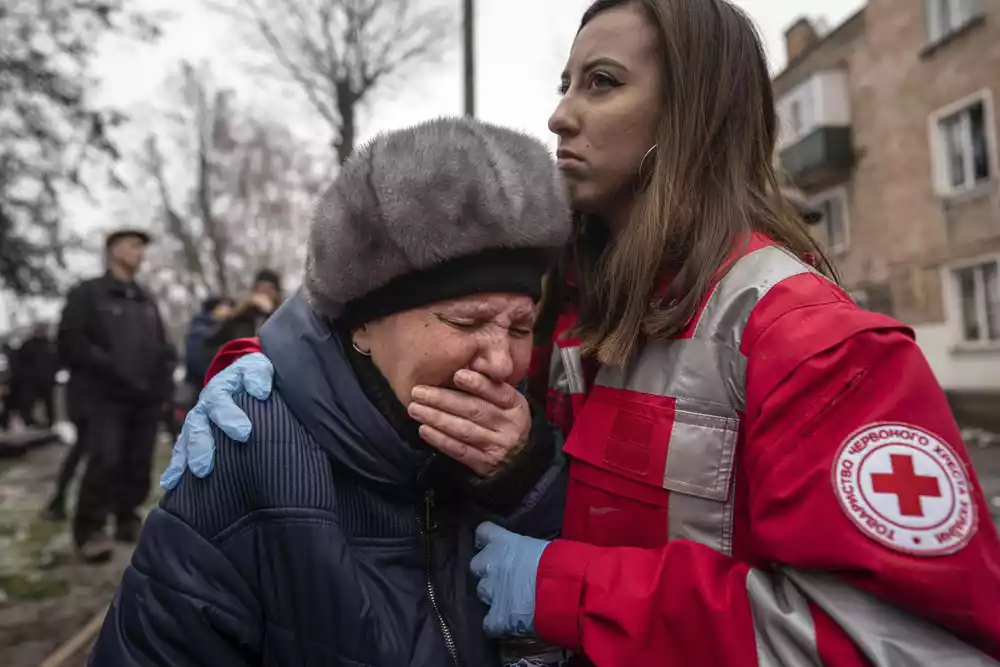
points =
(469, 48)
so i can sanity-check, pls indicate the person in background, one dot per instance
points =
(33, 374)
(112, 341)
(6, 409)
(174, 393)
(55, 510)
(203, 325)
(245, 320)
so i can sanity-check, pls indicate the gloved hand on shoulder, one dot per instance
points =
(195, 448)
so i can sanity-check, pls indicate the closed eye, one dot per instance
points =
(463, 325)
(472, 325)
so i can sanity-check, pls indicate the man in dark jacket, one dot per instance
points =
(246, 319)
(33, 374)
(112, 340)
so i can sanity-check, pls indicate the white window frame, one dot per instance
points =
(952, 271)
(935, 30)
(939, 148)
(839, 193)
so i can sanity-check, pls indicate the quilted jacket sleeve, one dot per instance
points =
(180, 604)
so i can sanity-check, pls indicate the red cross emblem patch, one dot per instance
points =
(905, 488)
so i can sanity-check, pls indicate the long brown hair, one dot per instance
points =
(712, 183)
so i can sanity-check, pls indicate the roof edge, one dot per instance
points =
(794, 64)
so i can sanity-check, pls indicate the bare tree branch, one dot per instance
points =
(298, 74)
(209, 127)
(338, 52)
(50, 134)
(235, 191)
(176, 226)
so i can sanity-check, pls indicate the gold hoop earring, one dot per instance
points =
(642, 163)
(642, 182)
(360, 351)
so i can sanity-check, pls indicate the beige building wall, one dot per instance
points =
(905, 235)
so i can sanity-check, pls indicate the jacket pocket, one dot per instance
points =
(702, 449)
(647, 469)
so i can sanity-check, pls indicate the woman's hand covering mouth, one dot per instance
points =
(482, 424)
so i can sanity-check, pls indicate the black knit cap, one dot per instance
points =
(503, 270)
(268, 276)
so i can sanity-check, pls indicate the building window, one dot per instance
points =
(943, 17)
(964, 146)
(979, 302)
(876, 298)
(835, 225)
(796, 118)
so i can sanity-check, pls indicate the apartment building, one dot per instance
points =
(889, 126)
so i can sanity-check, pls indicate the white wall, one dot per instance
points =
(823, 101)
(958, 366)
(956, 369)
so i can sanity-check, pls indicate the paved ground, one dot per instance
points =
(45, 596)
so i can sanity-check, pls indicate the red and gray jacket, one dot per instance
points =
(782, 484)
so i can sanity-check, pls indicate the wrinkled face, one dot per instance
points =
(487, 333)
(128, 252)
(606, 121)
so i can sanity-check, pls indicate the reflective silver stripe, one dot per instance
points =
(698, 473)
(887, 636)
(706, 375)
(557, 374)
(714, 428)
(728, 310)
(566, 371)
(685, 367)
(573, 365)
(782, 624)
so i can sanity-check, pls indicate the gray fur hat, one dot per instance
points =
(439, 210)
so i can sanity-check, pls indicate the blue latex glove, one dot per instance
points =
(195, 447)
(507, 567)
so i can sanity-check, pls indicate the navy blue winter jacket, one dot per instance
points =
(310, 545)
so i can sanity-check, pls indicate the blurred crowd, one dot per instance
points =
(124, 385)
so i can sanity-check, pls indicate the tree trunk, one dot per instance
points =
(347, 102)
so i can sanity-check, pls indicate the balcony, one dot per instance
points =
(820, 159)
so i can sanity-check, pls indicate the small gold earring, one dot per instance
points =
(641, 181)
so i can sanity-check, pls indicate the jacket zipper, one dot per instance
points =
(427, 527)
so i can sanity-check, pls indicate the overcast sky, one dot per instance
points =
(521, 46)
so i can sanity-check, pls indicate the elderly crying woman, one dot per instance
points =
(336, 536)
